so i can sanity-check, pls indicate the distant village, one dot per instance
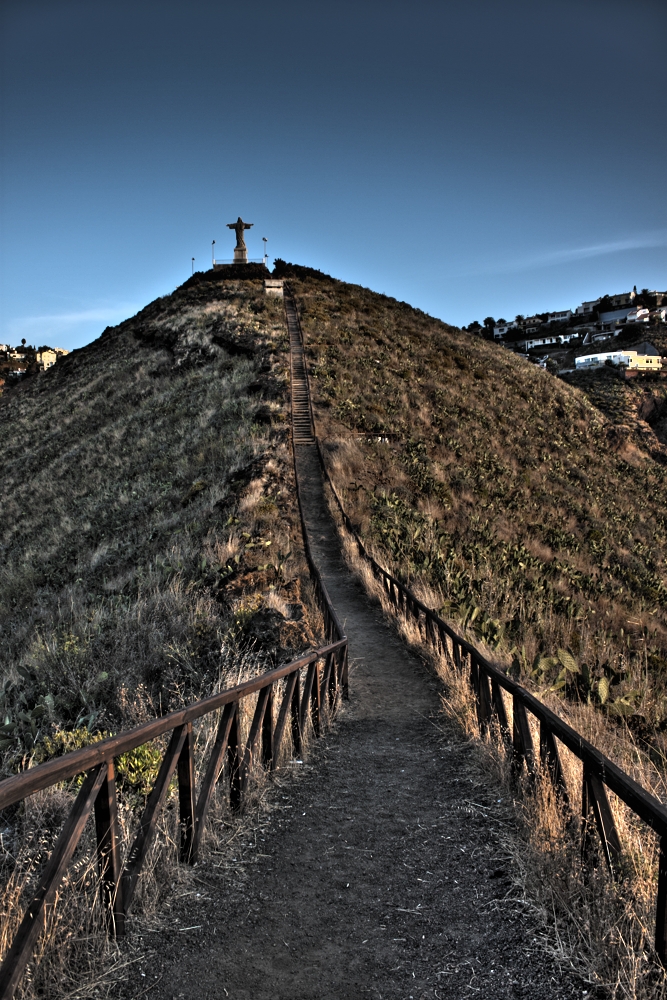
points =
(611, 330)
(20, 362)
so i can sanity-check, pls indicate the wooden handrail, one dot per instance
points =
(77, 761)
(313, 705)
(487, 681)
(98, 792)
(598, 770)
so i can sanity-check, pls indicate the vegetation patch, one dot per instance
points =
(148, 501)
(532, 507)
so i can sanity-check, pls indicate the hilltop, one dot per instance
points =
(531, 516)
(149, 540)
(146, 479)
(151, 552)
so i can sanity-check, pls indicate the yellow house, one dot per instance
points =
(46, 359)
(642, 358)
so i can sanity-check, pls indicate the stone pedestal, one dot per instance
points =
(240, 255)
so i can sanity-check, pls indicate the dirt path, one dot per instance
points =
(381, 872)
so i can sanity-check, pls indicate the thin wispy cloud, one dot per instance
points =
(71, 324)
(551, 258)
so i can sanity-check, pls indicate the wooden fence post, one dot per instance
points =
(295, 716)
(501, 713)
(430, 632)
(332, 691)
(234, 759)
(305, 699)
(256, 732)
(522, 741)
(444, 641)
(267, 730)
(550, 762)
(345, 675)
(315, 700)
(108, 852)
(484, 699)
(186, 793)
(594, 799)
(213, 770)
(25, 938)
(661, 904)
(281, 721)
(473, 678)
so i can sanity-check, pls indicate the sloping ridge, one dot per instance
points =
(384, 873)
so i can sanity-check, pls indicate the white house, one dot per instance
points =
(531, 342)
(586, 308)
(645, 358)
(559, 317)
(606, 333)
(501, 330)
(638, 315)
(594, 360)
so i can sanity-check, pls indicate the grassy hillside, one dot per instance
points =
(148, 537)
(637, 406)
(538, 518)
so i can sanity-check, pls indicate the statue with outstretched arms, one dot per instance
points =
(238, 227)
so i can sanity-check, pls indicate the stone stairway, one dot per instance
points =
(302, 422)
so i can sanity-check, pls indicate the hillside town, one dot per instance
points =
(17, 363)
(610, 330)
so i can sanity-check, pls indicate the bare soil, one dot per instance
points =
(383, 872)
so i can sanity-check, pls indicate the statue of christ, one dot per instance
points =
(238, 227)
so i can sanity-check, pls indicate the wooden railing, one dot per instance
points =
(305, 702)
(488, 682)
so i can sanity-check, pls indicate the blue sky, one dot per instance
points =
(474, 158)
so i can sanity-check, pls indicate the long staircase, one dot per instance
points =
(302, 419)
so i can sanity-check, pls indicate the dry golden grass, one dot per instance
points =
(151, 554)
(147, 495)
(533, 520)
(534, 516)
(75, 956)
(599, 929)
